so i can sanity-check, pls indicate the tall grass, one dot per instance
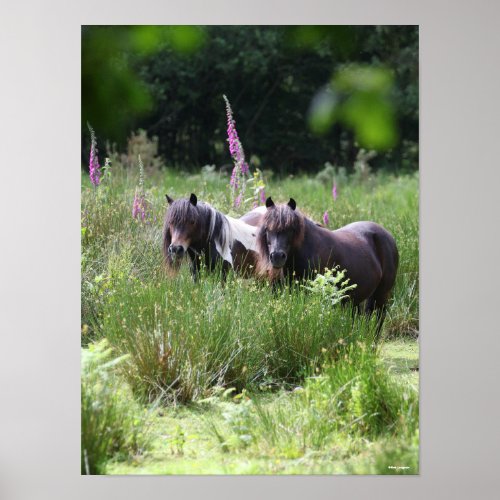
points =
(109, 229)
(185, 338)
(112, 423)
(351, 400)
(183, 342)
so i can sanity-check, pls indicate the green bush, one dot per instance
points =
(332, 286)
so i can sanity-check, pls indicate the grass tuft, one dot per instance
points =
(113, 425)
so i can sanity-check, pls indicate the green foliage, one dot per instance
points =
(109, 71)
(390, 456)
(219, 348)
(333, 286)
(352, 398)
(273, 75)
(109, 231)
(112, 422)
(185, 338)
(358, 97)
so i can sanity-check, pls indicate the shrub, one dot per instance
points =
(332, 286)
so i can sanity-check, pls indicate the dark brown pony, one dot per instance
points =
(205, 235)
(291, 245)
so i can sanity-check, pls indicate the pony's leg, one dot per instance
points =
(213, 259)
(389, 259)
(381, 314)
(195, 271)
(224, 270)
(369, 305)
(194, 265)
(377, 303)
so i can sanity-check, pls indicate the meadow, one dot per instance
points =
(209, 378)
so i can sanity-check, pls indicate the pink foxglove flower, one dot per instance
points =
(262, 195)
(237, 201)
(234, 178)
(334, 191)
(326, 219)
(241, 169)
(94, 167)
(140, 207)
(235, 147)
(245, 169)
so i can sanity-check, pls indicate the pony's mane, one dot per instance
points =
(283, 218)
(182, 211)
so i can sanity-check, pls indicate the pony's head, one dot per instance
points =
(281, 231)
(186, 225)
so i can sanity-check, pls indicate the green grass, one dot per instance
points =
(183, 338)
(402, 360)
(184, 441)
(248, 381)
(112, 423)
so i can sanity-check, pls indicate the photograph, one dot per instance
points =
(250, 200)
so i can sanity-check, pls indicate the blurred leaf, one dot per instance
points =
(359, 97)
(147, 39)
(187, 38)
(152, 77)
(113, 93)
(363, 79)
(322, 110)
(371, 116)
(341, 38)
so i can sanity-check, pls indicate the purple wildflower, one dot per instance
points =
(94, 167)
(234, 178)
(237, 201)
(262, 194)
(334, 191)
(241, 168)
(235, 147)
(326, 219)
(245, 169)
(140, 206)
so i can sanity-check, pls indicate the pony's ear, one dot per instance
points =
(292, 204)
(193, 199)
(169, 200)
(269, 203)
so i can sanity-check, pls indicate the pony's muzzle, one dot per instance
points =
(176, 250)
(278, 258)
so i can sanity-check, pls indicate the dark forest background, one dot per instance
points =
(301, 95)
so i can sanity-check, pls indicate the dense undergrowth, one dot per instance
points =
(282, 375)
